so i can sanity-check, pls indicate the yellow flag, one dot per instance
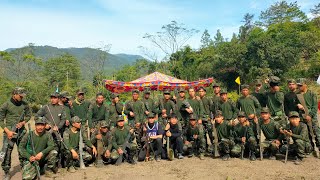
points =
(237, 80)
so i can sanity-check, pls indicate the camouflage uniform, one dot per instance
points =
(169, 106)
(115, 110)
(106, 140)
(271, 132)
(225, 139)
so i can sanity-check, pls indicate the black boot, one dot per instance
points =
(253, 156)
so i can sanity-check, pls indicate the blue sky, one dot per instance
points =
(121, 23)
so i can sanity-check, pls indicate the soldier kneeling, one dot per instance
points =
(194, 138)
(123, 147)
(72, 139)
(42, 153)
(298, 131)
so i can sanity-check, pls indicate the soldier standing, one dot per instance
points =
(227, 106)
(291, 100)
(216, 97)
(149, 103)
(13, 116)
(167, 107)
(183, 108)
(115, 110)
(80, 107)
(65, 100)
(259, 93)
(98, 111)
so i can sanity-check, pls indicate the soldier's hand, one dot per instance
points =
(10, 134)
(146, 112)
(116, 99)
(107, 154)
(48, 126)
(167, 127)
(200, 121)
(131, 114)
(94, 151)
(243, 139)
(32, 158)
(67, 123)
(168, 134)
(39, 156)
(308, 118)
(55, 128)
(74, 154)
(300, 107)
(92, 130)
(277, 142)
(98, 136)
(120, 151)
(189, 110)
(20, 124)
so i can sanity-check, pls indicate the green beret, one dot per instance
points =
(293, 114)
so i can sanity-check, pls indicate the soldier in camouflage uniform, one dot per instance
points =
(103, 134)
(298, 131)
(98, 111)
(13, 116)
(149, 103)
(224, 132)
(45, 152)
(193, 137)
(216, 97)
(120, 135)
(65, 100)
(181, 105)
(167, 107)
(244, 138)
(275, 100)
(270, 129)
(80, 107)
(71, 139)
(227, 106)
(259, 92)
(115, 110)
(291, 100)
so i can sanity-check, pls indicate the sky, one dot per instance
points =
(120, 23)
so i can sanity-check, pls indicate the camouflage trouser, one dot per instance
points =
(270, 146)
(225, 145)
(298, 148)
(207, 129)
(131, 151)
(87, 157)
(316, 130)
(29, 170)
(281, 120)
(8, 148)
(250, 144)
(197, 146)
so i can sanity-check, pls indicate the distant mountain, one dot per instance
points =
(114, 61)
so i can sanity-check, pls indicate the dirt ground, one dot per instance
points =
(192, 168)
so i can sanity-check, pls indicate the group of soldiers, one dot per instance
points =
(77, 133)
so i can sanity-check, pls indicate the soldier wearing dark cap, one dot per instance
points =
(98, 111)
(45, 153)
(196, 104)
(115, 110)
(291, 100)
(153, 133)
(244, 138)
(309, 108)
(103, 134)
(216, 97)
(80, 107)
(275, 101)
(259, 92)
(71, 138)
(14, 114)
(224, 132)
(149, 103)
(121, 135)
(298, 131)
(270, 129)
(173, 130)
(167, 107)
(227, 106)
(183, 107)
(194, 139)
(65, 100)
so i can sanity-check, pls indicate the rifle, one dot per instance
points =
(243, 143)
(124, 147)
(259, 130)
(215, 135)
(170, 152)
(309, 123)
(82, 166)
(287, 150)
(35, 163)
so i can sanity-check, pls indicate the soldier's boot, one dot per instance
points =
(253, 156)
(158, 158)
(50, 174)
(225, 157)
(201, 156)
(298, 160)
(130, 158)
(71, 169)
(180, 156)
(6, 176)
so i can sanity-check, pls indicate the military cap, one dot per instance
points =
(202, 88)
(120, 118)
(80, 91)
(147, 90)
(172, 115)
(75, 119)
(65, 94)
(218, 113)
(114, 95)
(291, 81)
(182, 89)
(55, 94)
(223, 91)
(192, 117)
(241, 114)
(258, 82)
(244, 86)
(301, 81)
(274, 81)
(104, 124)
(19, 90)
(151, 115)
(265, 110)
(40, 120)
(135, 91)
(293, 114)
(216, 85)
(166, 91)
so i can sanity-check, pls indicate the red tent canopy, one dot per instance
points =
(155, 81)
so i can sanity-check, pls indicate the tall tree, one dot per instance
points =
(218, 38)
(206, 40)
